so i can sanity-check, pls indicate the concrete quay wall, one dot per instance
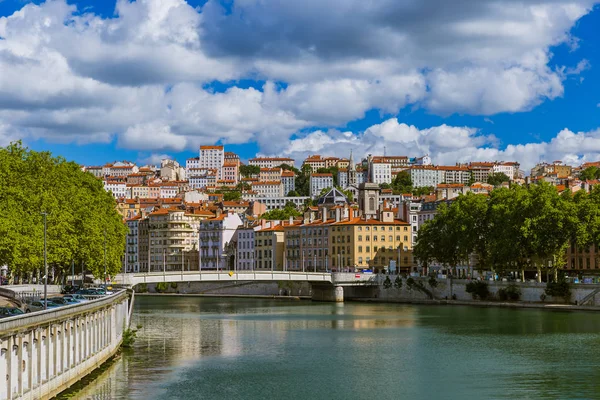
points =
(240, 288)
(531, 292)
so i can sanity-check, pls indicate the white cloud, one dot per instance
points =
(154, 159)
(446, 145)
(141, 75)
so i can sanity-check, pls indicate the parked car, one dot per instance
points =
(61, 301)
(38, 305)
(6, 312)
(68, 289)
(77, 297)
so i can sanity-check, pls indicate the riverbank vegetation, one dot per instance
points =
(513, 229)
(81, 216)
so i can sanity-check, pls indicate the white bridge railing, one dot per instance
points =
(344, 279)
(45, 352)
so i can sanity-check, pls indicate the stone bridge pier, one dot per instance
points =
(327, 292)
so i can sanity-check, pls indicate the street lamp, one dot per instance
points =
(45, 214)
(105, 258)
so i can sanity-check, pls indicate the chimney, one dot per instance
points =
(324, 214)
(291, 220)
(337, 215)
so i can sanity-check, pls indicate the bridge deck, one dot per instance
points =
(343, 279)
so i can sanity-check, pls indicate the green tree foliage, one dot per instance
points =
(303, 181)
(402, 183)
(293, 193)
(80, 215)
(232, 195)
(512, 229)
(288, 167)
(497, 178)
(282, 213)
(331, 170)
(421, 191)
(589, 174)
(249, 170)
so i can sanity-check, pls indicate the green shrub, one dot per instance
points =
(141, 288)
(174, 285)
(559, 289)
(511, 292)
(129, 336)
(161, 287)
(433, 282)
(398, 282)
(478, 289)
(410, 282)
(387, 283)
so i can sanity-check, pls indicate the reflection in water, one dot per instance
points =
(193, 348)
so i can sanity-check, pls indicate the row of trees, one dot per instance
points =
(513, 229)
(81, 214)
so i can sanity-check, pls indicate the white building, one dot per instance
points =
(117, 188)
(168, 191)
(202, 178)
(318, 182)
(272, 203)
(288, 180)
(270, 162)
(381, 172)
(215, 234)
(425, 176)
(511, 169)
(212, 157)
(268, 189)
(245, 248)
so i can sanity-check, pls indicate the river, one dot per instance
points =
(231, 348)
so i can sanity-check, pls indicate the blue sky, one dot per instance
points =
(99, 81)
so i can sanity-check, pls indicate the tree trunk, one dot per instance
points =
(539, 274)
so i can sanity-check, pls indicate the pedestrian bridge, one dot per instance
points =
(316, 278)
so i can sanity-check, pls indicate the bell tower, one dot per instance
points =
(368, 199)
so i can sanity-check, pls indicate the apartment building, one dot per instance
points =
(270, 162)
(215, 236)
(426, 176)
(288, 180)
(212, 157)
(318, 182)
(270, 174)
(315, 162)
(268, 248)
(268, 189)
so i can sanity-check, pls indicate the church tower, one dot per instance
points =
(352, 181)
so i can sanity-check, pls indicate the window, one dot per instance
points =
(375, 248)
(390, 229)
(406, 238)
(368, 238)
(360, 238)
(398, 238)
(391, 238)
(405, 228)
(375, 228)
(383, 238)
(368, 249)
(360, 249)
(374, 238)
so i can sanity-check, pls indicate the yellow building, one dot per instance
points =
(268, 248)
(371, 243)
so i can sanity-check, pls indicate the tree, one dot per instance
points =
(288, 167)
(590, 174)
(232, 195)
(402, 183)
(282, 213)
(81, 215)
(497, 178)
(293, 193)
(249, 170)
(421, 191)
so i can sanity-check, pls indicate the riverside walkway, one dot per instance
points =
(45, 352)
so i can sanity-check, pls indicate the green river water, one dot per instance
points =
(230, 348)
